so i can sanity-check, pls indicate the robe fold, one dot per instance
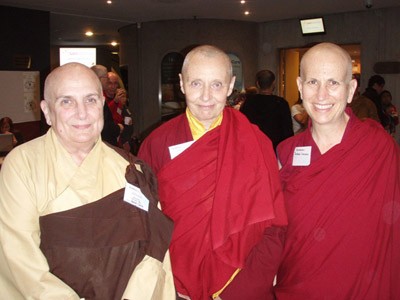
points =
(343, 238)
(221, 192)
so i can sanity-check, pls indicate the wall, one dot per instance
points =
(144, 45)
(377, 31)
(25, 33)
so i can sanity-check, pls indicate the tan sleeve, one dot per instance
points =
(151, 280)
(24, 272)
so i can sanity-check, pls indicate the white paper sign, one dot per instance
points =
(302, 156)
(133, 195)
(175, 150)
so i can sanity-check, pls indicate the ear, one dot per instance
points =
(300, 86)
(231, 85)
(181, 83)
(352, 89)
(45, 109)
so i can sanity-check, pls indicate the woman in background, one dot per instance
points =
(7, 126)
(391, 117)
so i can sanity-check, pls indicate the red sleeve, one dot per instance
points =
(255, 280)
(114, 110)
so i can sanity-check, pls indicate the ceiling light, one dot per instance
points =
(109, 2)
(88, 33)
(242, 2)
(246, 12)
(114, 43)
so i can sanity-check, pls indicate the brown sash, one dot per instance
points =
(95, 248)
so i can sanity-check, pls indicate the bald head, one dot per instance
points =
(207, 51)
(70, 70)
(327, 51)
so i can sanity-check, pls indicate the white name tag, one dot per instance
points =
(133, 195)
(175, 150)
(302, 156)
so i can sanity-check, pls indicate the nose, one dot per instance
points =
(206, 93)
(81, 110)
(322, 92)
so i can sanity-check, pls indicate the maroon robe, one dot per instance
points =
(221, 193)
(343, 238)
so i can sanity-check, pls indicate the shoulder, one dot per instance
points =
(155, 146)
(282, 101)
(251, 100)
(33, 148)
(370, 127)
(286, 147)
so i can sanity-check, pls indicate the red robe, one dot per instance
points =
(343, 238)
(221, 193)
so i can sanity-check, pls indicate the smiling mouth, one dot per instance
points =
(323, 106)
(81, 126)
(206, 107)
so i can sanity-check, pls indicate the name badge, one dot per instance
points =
(302, 156)
(175, 150)
(133, 195)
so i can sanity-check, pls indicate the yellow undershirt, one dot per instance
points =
(198, 130)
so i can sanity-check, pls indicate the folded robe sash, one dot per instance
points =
(95, 248)
(221, 193)
(343, 239)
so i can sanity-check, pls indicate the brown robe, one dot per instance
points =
(95, 248)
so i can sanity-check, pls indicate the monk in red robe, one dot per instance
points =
(341, 181)
(218, 180)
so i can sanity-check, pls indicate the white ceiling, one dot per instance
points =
(70, 18)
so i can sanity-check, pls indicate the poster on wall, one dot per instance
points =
(235, 97)
(237, 71)
(86, 56)
(20, 95)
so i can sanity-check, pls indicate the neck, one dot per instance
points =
(266, 92)
(78, 153)
(327, 136)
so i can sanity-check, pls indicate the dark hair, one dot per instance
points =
(6, 120)
(265, 79)
(376, 79)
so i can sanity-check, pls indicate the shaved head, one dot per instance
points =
(68, 70)
(207, 51)
(335, 52)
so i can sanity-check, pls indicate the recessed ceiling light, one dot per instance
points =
(109, 2)
(88, 33)
(242, 2)
(246, 12)
(114, 43)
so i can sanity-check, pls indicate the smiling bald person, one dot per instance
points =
(79, 219)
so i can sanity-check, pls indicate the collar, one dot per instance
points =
(196, 127)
